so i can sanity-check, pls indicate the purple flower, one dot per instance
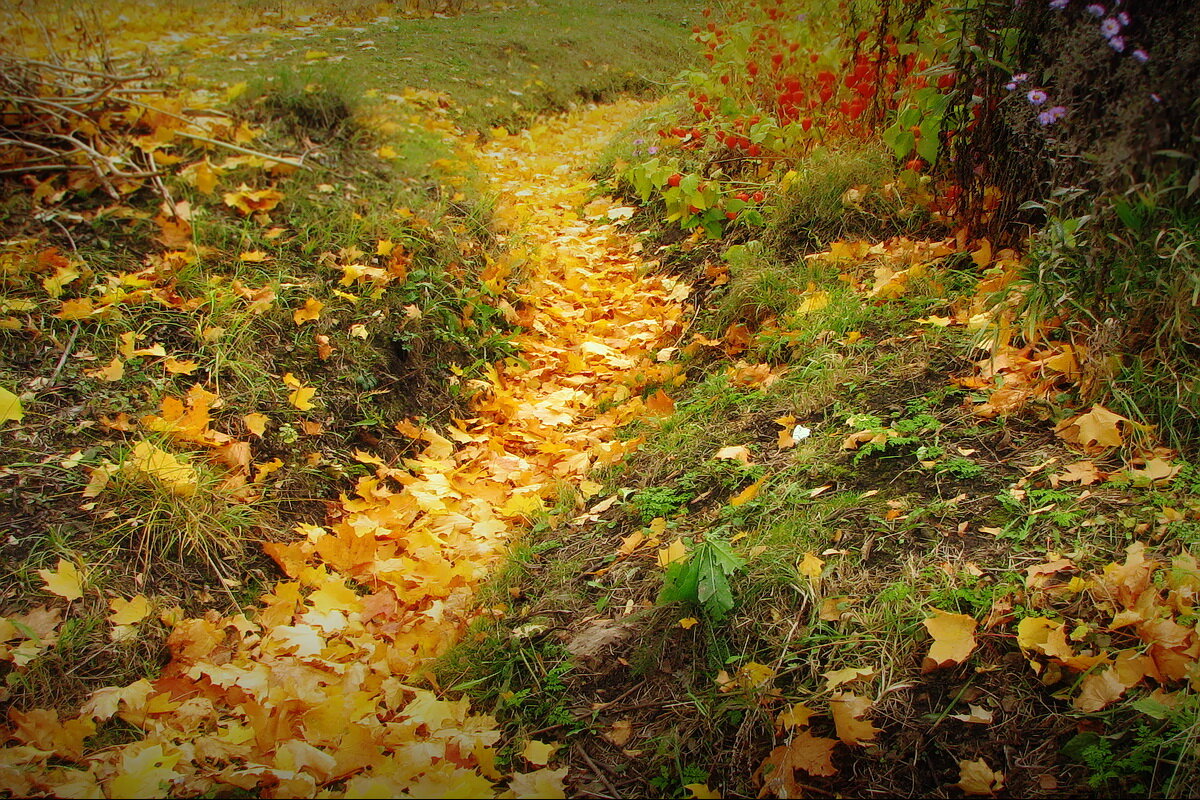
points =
(1059, 4)
(1154, 96)
(1110, 28)
(1051, 115)
(652, 149)
(1095, 9)
(1117, 43)
(1123, 18)
(1011, 85)
(1140, 56)
(1021, 77)
(1036, 97)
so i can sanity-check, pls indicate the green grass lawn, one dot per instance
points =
(499, 67)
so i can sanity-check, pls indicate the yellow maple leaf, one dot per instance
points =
(847, 710)
(839, 677)
(146, 771)
(113, 371)
(538, 753)
(152, 460)
(1045, 636)
(813, 302)
(807, 753)
(1094, 429)
(10, 406)
(64, 581)
(953, 639)
(675, 551)
(747, 494)
(249, 201)
(178, 367)
(734, 452)
(310, 312)
(660, 404)
(700, 791)
(796, 715)
(256, 423)
(127, 612)
(811, 567)
(976, 777)
(302, 398)
(80, 308)
(543, 783)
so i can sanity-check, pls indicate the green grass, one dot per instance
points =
(498, 68)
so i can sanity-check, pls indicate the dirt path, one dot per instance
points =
(313, 689)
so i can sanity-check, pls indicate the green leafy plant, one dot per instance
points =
(702, 578)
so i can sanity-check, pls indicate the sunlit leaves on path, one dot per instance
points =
(317, 688)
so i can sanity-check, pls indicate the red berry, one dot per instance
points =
(674, 179)
(730, 215)
(915, 164)
(806, 123)
(745, 198)
(759, 197)
(754, 150)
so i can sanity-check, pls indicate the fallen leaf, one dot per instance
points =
(112, 372)
(1044, 636)
(10, 406)
(256, 423)
(811, 567)
(675, 551)
(747, 494)
(700, 791)
(833, 609)
(734, 452)
(64, 581)
(152, 460)
(953, 639)
(178, 367)
(302, 398)
(249, 201)
(976, 714)
(1095, 429)
(1098, 690)
(1084, 473)
(796, 715)
(538, 753)
(847, 711)
(127, 612)
(806, 753)
(660, 404)
(619, 733)
(309, 312)
(976, 777)
(839, 677)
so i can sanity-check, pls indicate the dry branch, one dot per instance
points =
(57, 118)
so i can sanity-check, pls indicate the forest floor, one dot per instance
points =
(438, 468)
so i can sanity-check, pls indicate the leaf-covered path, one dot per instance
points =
(314, 689)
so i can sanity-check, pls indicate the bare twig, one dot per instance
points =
(62, 360)
(245, 150)
(597, 771)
